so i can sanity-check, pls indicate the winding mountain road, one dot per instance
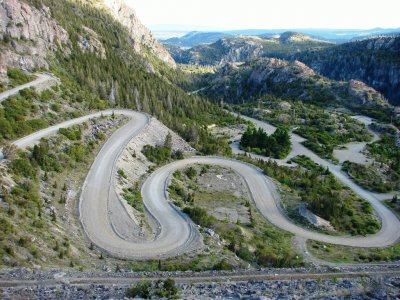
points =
(390, 231)
(41, 78)
(104, 218)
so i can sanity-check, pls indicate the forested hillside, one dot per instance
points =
(125, 78)
(375, 61)
(240, 83)
(245, 48)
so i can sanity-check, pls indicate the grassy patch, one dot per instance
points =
(345, 254)
(372, 178)
(134, 198)
(17, 77)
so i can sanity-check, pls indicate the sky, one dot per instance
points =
(266, 14)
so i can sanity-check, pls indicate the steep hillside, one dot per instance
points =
(289, 80)
(141, 36)
(94, 56)
(375, 61)
(244, 48)
(27, 35)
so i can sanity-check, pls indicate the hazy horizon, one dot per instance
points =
(259, 14)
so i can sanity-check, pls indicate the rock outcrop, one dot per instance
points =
(90, 42)
(374, 61)
(28, 34)
(141, 36)
(288, 80)
(245, 48)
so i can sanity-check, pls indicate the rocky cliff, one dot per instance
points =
(374, 61)
(289, 80)
(244, 48)
(28, 34)
(141, 35)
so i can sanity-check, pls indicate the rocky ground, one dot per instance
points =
(359, 288)
(387, 287)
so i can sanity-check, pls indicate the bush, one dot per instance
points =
(73, 133)
(158, 154)
(277, 145)
(200, 216)
(18, 77)
(191, 172)
(223, 265)
(121, 173)
(141, 290)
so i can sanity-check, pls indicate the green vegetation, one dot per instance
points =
(309, 164)
(254, 241)
(127, 74)
(212, 54)
(276, 145)
(72, 133)
(134, 197)
(387, 152)
(344, 254)
(394, 204)
(384, 174)
(323, 129)
(16, 116)
(121, 174)
(371, 178)
(161, 289)
(157, 154)
(26, 237)
(18, 77)
(325, 196)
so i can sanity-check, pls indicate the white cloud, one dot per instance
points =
(270, 14)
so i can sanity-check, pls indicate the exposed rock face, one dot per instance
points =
(363, 92)
(28, 34)
(141, 35)
(373, 61)
(289, 80)
(245, 48)
(90, 42)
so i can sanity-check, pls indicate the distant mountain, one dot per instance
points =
(375, 61)
(237, 83)
(333, 35)
(244, 48)
(195, 38)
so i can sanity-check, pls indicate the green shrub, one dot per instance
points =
(18, 77)
(158, 154)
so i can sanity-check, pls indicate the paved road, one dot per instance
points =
(41, 78)
(390, 231)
